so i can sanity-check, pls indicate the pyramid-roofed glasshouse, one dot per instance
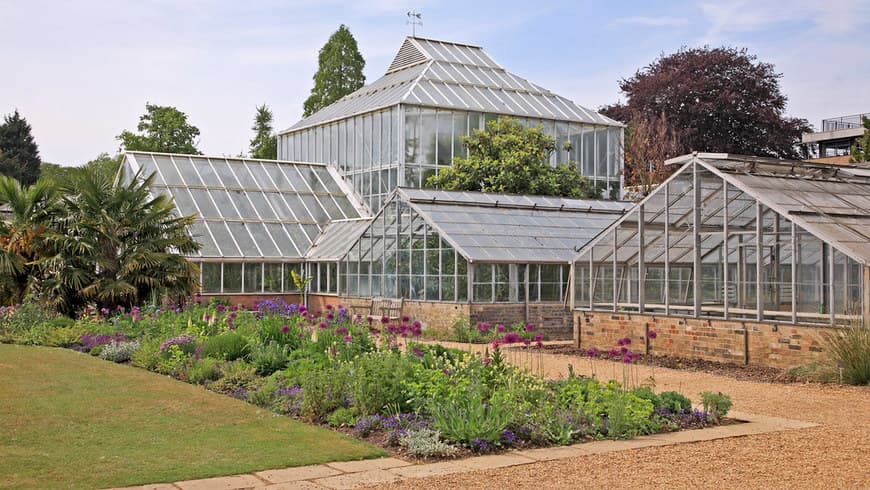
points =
(427, 72)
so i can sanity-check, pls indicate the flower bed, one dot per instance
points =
(375, 380)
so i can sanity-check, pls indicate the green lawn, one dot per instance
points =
(68, 420)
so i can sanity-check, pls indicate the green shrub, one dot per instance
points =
(203, 370)
(426, 443)
(64, 336)
(342, 417)
(716, 405)
(270, 357)
(819, 372)
(324, 391)
(119, 351)
(172, 360)
(378, 382)
(850, 352)
(647, 394)
(264, 396)
(469, 418)
(236, 375)
(148, 355)
(674, 401)
(227, 346)
(627, 415)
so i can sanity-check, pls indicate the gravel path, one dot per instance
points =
(834, 455)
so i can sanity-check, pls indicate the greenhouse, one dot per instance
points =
(256, 219)
(470, 247)
(398, 130)
(735, 237)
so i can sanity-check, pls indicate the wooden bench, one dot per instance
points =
(386, 307)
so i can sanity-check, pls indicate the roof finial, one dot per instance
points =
(414, 19)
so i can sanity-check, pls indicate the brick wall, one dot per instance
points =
(553, 319)
(777, 345)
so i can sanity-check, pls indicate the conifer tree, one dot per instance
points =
(19, 155)
(339, 72)
(265, 143)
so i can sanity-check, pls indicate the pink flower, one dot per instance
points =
(417, 352)
(530, 327)
(322, 325)
(495, 345)
(347, 338)
(285, 329)
(501, 328)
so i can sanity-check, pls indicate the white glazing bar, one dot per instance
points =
(667, 260)
(794, 265)
(759, 259)
(831, 302)
(641, 264)
(613, 278)
(725, 282)
(696, 239)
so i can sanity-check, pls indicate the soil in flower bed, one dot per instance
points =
(742, 372)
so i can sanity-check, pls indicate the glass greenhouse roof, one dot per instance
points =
(486, 227)
(251, 209)
(443, 74)
(829, 201)
(337, 239)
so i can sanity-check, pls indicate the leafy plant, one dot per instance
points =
(324, 391)
(674, 401)
(426, 443)
(849, 350)
(148, 355)
(226, 346)
(342, 417)
(716, 405)
(378, 382)
(203, 370)
(119, 351)
(271, 357)
(237, 375)
(469, 418)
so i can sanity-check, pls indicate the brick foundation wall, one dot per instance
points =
(553, 319)
(777, 345)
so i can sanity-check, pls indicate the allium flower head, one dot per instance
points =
(483, 327)
(285, 329)
(530, 327)
(417, 352)
(651, 334)
(501, 328)
(348, 338)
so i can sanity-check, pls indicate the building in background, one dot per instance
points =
(833, 144)
(400, 129)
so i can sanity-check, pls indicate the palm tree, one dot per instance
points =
(26, 216)
(118, 244)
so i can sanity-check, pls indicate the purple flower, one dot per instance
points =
(593, 352)
(508, 436)
(417, 352)
(322, 326)
(512, 338)
(530, 327)
(614, 353)
(285, 329)
(181, 340)
(651, 335)
(385, 320)
(330, 316)
(406, 319)
(329, 307)
(341, 330)
(501, 328)
(483, 327)
(495, 345)
(538, 337)
(348, 338)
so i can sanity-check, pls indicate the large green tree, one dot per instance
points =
(162, 129)
(339, 71)
(116, 244)
(265, 143)
(861, 148)
(511, 158)
(19, 155)
(717, 100)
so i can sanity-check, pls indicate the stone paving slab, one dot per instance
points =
(494, 461)
(235, 482)
(429, 469)
(352, 474)
(368, 464)
(298, 473)
(360, 479)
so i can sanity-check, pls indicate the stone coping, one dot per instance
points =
(352, 474)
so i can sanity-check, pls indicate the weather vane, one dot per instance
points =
(414, 19)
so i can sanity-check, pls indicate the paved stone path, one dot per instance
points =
(353, 474)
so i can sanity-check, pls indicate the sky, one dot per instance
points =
(81, 71)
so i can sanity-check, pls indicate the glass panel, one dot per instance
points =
(244, 240)
(253, 278)
(427, 136)
(272, 277)
(412, 135)
(199, 233)
(223, 238)
(232, 277)
(211, 277)
(261, 237)
(445, 138)
(207, 208)
(289, 284)
(167, 169)
(187, 171)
